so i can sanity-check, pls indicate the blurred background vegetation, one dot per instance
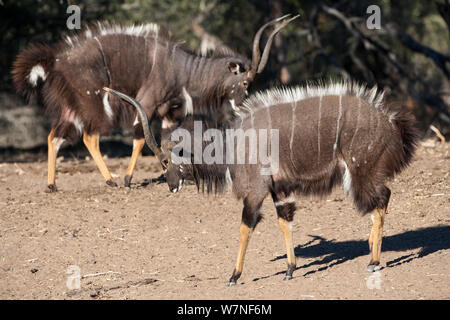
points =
(408, 57)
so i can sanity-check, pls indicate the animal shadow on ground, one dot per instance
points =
(331, 253)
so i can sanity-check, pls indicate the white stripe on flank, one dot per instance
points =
(269, 118)
(104, 61)
(189, 107)
(347, 180)
(318, 129)
(36, 72)
(107, 107)
(291, 142)
(154, 54)
(357, 124)
(337, 127)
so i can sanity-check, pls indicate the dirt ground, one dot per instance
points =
(145, 243)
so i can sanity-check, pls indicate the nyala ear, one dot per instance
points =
(234, 67)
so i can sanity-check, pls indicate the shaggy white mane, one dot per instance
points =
(282, 95)
(106, 28)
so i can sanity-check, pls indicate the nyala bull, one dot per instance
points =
(141, 61)
(340, 134)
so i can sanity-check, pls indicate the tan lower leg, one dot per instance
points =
(371, 236)
(52, 152)
(286, 228)
(92, 144)
(376, 235)
(245, 233)
(138, 145)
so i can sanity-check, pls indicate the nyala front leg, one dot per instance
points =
(251, 215)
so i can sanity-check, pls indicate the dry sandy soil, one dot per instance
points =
(145, 243)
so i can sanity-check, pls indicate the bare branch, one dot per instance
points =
(438, 58)
(382, 49)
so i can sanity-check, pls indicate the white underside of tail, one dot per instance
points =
(36, 73)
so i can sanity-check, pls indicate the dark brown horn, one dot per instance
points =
(256, 54)
(148, 134)
(265, 55)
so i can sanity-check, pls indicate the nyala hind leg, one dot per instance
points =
(54, 143)
(376, 234)
(285, 207)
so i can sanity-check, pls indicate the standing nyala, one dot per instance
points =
(337, 134)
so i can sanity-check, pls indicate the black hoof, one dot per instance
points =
(51, 188)
(373, 267)
(233, 279)
(289, 272)
(111, 183)
(128, 181)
